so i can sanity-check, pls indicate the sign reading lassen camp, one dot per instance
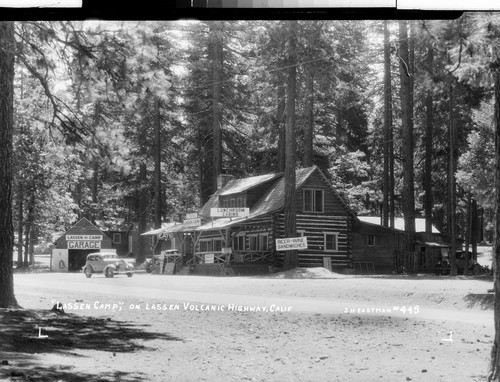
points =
(83, 237)
(84, 241)
(291, 243)
(235, 212)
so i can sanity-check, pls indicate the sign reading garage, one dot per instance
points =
(84, 241)
(72, 247)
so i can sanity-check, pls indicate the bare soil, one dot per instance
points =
(210, 342)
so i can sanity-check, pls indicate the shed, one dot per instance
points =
(71, 249)
(379, 249)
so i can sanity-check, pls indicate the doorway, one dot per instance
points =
(77, 259)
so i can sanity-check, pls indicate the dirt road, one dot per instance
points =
(218, 329)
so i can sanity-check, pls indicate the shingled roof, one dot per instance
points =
(273, 199)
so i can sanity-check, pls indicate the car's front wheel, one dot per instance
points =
(88, 272)
(109, 272)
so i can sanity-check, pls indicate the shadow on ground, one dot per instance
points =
(21, 341)
(484, 300)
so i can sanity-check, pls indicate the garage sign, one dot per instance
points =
(84, 241)
(81, 244)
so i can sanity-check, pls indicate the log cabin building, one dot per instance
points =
(337, 239)
(243, 245)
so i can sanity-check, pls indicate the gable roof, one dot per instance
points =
(399, 223)
(272, 200)
(235, 186)
(83, 226)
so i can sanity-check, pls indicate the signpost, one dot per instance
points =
(236, 212)
(194, 215)
(291, 243)
(209, 258)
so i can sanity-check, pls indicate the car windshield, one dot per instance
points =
(110, 256)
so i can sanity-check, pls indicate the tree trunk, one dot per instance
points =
(30, 218)
(291, 257)
(474, 230)
(387, 189)
(309, 120)
(7, 51)
(494, 367)
(452, 226)
(429, 121)
(217, 61)
(280, 122)
(468, 231)
(143, 214)
(407, 147)
(20, 217)
(280, 111)
(157, 161)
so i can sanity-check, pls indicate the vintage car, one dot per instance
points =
(108, 263)
(156, 260)
(443, 267)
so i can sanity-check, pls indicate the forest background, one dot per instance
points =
(131, 122)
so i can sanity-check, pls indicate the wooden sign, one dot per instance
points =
(291, 243)
(236, 212)
(194, 215)
(209, 258)
(193, 222)
(169, 269)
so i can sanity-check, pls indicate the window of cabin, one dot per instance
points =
(217, 245)
(313, 200)
(239, 202)
(253, 242)
(258, 242)
(206, 245)
(232, 204)
(225, 203)
(117, 238)
(371, 240)
(264, 242)
(239, 243)
(331, 241)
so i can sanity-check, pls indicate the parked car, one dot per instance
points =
(155, 261)
(108, 263)
(443, 267)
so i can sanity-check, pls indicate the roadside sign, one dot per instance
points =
(235, 212)
(194, 222)
(291, 243)
(209, 258)
(194, 215)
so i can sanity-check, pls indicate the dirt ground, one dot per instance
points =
(446, 336)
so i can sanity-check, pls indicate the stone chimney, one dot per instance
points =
(223, 179)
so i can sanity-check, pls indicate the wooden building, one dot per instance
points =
(238, 243)
(71, 249)
(379, 249)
